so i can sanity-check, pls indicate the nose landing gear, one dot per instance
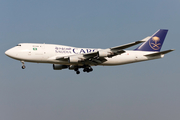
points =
(23, 66)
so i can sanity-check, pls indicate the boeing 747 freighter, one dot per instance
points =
(73, 58)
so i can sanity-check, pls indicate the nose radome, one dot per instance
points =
(7, 52)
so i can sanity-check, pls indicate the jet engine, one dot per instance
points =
(105, 53)
(59, 67)
(74, 59)
(109, 53)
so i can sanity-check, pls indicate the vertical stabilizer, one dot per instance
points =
(155, 42)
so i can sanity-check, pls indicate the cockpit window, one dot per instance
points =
(18, 45)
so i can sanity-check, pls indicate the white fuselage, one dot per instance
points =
(47, 53)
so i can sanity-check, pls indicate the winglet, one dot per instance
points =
(155, 42)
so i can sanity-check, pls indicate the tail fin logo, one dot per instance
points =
(154, 43)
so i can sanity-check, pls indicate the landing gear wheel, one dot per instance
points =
(90, 69)
(76, 69)
(23, 67)
(78, 72)
(87, 69)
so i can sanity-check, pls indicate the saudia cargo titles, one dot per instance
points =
(72, 58)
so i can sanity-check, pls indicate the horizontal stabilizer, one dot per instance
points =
(159, 53)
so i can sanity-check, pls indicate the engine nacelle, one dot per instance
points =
(105, 54)
(109, 53)
(59, 67)
(74, 60)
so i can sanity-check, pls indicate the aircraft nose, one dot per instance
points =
(9, 53)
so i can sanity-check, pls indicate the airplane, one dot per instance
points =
(73, 58)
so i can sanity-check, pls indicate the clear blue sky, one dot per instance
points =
(140, 91)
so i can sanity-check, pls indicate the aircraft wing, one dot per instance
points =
(89, 58)
(100, 55)
(130, 44)
(119, 49)
(86, 55)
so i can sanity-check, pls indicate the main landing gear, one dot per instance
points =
(23, 66)
(77, 70)
(86, 69)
